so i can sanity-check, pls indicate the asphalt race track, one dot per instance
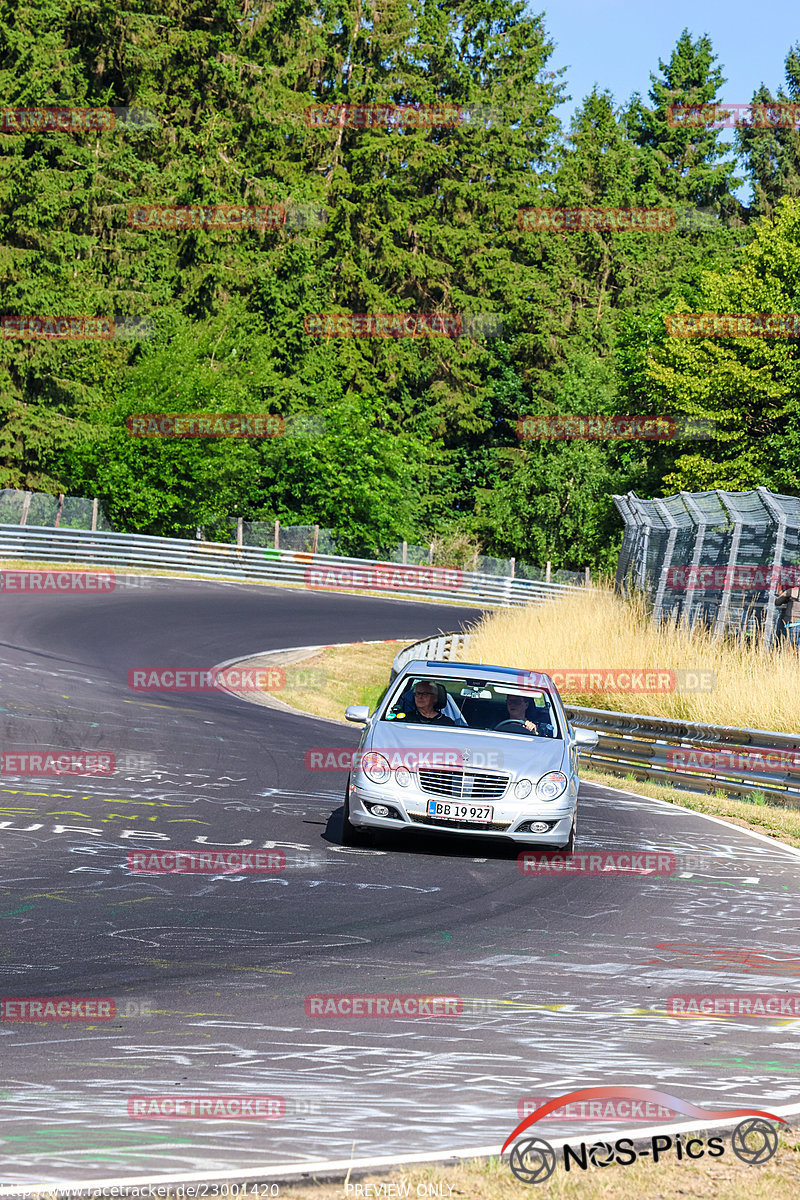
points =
(210, 973)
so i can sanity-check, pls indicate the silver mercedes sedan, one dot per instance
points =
(464, 748)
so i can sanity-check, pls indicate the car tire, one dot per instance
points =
(351, 834)
(569, 847)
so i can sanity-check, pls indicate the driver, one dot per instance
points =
(518, 711)
(425, 712)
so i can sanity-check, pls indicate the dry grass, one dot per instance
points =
(725, 1178)
(342, 675)
(755, 687)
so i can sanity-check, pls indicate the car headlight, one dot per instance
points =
(523, 788)
(402, 776)
(551, 785)
(376, 768)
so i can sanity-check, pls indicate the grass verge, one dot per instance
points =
(340, 675)
(725, 1178)
(748, 685)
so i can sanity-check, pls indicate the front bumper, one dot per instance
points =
(508, 814)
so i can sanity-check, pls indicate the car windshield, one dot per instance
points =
(475, 703)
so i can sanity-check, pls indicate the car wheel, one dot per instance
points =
(569, 847)
(351, 834)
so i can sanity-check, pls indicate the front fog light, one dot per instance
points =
(539, 826)
(523, 788)
(379, 810)
(551, 785)
(402, 776)
(376, 768)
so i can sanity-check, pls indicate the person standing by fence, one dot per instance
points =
(788, 606)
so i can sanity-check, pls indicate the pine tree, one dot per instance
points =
(772, 156)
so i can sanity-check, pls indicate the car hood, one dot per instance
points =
(493, 752)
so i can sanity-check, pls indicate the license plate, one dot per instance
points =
(459, 812)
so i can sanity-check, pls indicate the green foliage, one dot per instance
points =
(387, 439)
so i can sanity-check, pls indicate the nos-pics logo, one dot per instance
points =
(534, 1160)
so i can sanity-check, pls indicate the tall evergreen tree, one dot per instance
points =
(687, 161)
(772, 156)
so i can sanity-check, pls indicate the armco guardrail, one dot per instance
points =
(687, 754)
(139, 552)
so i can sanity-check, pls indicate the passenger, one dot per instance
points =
(426, 710)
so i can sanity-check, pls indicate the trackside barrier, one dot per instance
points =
(684, 754)
(140, 552)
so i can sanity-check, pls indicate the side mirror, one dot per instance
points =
(358, 713)
(585, 737)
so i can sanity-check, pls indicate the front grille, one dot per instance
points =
(463, 785)
(446, 823)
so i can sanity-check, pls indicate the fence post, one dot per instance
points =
(587, 577)
(700, 523)
(513, 565)
(60, 509)
(672, 525)
(475, 563)
(240, 532)
(26, 503)
(547, 572)
(736, 517)
(95, 506)
(404, 559)
(277, 534)
(316, 539)
(430, 554)
(776, 575)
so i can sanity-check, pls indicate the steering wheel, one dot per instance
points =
(511, 721)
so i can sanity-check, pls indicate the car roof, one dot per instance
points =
(506, 674)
